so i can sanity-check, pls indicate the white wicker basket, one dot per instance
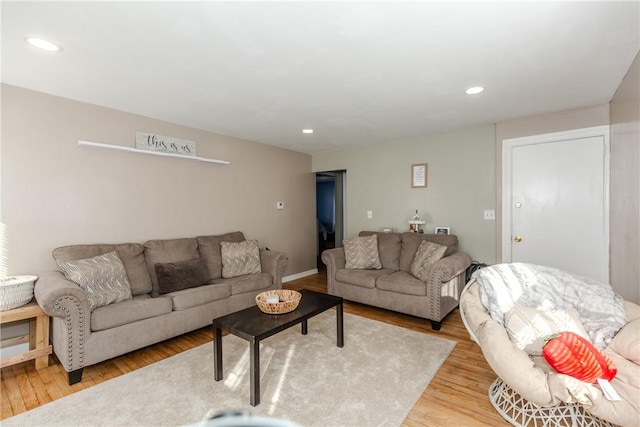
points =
(520, 412)
(16, 291)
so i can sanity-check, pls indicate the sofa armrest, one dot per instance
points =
(67, 303)
(274, 263)
(334, 259)
(445, 282)
(59, 297)
(445, 269)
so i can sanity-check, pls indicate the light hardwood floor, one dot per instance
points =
(457, 396)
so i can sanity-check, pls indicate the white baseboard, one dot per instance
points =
(286, 279)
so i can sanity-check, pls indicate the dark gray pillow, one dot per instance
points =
(175, 276)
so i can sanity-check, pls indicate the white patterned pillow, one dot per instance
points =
(427, 254)
(361, 252)
(527, 327)
(240, 258)
(103, 278)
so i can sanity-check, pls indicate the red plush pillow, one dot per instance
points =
(572, 355)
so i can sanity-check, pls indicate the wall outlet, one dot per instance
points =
(369, 214)
(490, 215)
(280, 206)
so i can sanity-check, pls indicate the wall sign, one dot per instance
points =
(419, 175)
(165, 144)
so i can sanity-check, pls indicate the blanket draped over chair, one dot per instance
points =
(504, 286)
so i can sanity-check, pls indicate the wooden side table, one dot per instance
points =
(38, 338)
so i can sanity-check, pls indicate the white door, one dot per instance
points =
(556, 201)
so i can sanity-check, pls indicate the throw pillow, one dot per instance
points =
(627, 341)
(426, 255)
(240, 258)
(176, 276)
(572, 355)
(167, 250)
(527, 327)
(103, 278)
(361, 252)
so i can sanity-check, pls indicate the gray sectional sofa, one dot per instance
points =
(176, 286)
(393, 286)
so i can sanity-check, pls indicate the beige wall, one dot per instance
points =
(56, 193)
(461, 185)
(625, 186)
(539, 125)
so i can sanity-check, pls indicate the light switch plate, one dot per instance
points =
(280, 206)
(490, 215)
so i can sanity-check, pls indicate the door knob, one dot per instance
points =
(517, 239)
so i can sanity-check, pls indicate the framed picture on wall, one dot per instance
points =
(442, 230)
(419, 175)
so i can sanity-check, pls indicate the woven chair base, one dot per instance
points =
(520, 412)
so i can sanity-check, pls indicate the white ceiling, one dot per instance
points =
(357, 72)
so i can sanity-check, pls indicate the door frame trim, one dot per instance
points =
(507, 147)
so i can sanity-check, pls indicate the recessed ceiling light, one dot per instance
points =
(43, 44)
(474, 90)
(307, 130)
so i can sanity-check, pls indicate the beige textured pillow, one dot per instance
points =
(240, 258)
(627, 341)
(361, 252)
(527, 327)
(426, 255)
(103, 278)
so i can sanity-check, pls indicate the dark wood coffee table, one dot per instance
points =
(253, 325)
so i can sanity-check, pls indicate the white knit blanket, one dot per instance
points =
(503, 286)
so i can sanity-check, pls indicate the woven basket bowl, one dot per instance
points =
(289, 301)
(16, 291)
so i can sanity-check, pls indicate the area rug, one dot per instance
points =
(374, 380)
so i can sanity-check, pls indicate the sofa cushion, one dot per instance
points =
(209, 248)
(248, 283)
(426, 255)
(527, 327)
(389, 245)
(402, 283)
(364, 278)
(131, 255)
(102, 278)
(361, 252)
(411, 241)
(240, 258)
(123, 313)
(175, 276)
(164, 251)
(627, 341)
(193, 297)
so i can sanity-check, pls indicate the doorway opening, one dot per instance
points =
(329, 211)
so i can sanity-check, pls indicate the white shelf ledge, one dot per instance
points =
(156, 153)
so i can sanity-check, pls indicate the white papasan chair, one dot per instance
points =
(507, 308)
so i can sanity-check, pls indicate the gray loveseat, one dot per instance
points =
(393, 287)
(83, 336)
